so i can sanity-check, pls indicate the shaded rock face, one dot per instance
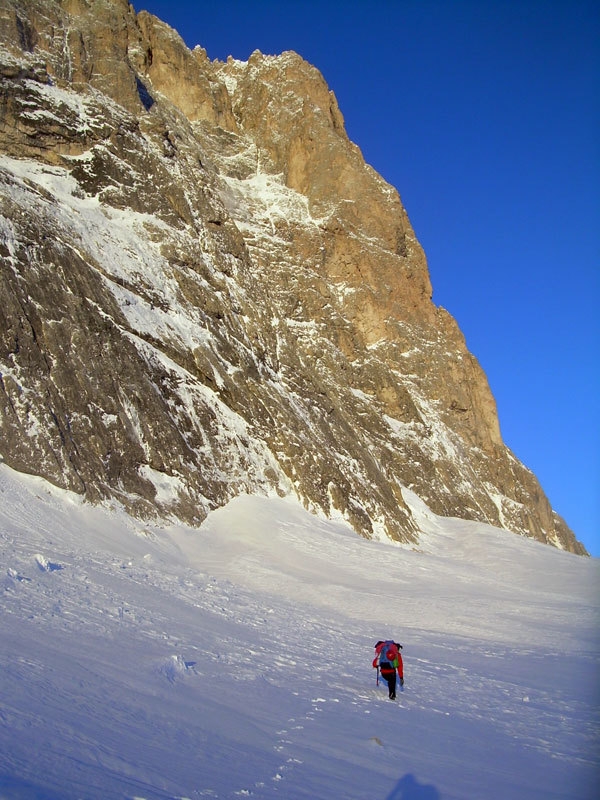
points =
(206, 291)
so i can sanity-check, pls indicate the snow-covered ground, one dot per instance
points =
(141, 661)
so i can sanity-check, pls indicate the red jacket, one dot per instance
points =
(393, 657)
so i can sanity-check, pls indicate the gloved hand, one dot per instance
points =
(401, 681)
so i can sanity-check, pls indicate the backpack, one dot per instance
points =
(388, 652)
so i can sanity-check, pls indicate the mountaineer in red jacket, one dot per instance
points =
(388, 660)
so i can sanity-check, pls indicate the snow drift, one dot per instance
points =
(155, 661)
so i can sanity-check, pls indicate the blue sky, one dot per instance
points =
(485, 115)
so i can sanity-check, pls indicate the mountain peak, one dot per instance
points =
(206, 291)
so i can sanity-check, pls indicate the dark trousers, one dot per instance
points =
(390, 676)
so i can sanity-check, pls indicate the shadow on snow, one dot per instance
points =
(409, 788)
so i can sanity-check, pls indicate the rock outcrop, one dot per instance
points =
(206, 291)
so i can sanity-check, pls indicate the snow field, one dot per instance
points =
(147, 661)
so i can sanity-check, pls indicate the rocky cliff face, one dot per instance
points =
(206, 291)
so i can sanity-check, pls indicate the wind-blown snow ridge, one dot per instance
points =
(234, 661)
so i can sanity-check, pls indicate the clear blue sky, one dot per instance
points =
(485, 115)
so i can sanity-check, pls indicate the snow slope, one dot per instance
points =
(141, 661)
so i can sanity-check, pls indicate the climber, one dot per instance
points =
(388, 661)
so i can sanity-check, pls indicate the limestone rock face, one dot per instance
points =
(206, 291)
